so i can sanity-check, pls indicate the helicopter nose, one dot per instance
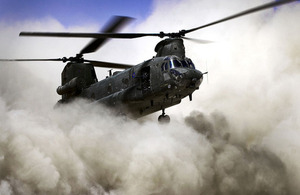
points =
(188, 78)
(195, 78)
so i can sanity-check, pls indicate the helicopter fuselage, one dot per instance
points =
(151, 86)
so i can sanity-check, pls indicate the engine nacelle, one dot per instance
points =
(74, 85)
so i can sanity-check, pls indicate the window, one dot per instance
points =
(167, 65)
(163, 67)
(184, 64)
(191, 64)
(176, 63)
(175, 72)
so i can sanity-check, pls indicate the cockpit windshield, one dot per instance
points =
(176, 63)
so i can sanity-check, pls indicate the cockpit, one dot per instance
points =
(174, 62)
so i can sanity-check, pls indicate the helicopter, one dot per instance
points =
(151, 86)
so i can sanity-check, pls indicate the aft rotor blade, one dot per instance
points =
(30, 60)
(108, 64)
(114, 25)
(249, 11)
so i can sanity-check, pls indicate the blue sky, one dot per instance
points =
(73, 12)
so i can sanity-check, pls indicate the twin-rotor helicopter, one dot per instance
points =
(154, 85)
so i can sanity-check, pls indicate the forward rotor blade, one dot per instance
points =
(181, 33)
(108, 64)
(114, 25)
(90, 35)
(201, 41)
(30, 60)
(249, 11)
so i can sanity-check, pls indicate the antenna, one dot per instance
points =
(110, 72)
(206, 71)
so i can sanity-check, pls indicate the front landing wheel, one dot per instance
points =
(164, 119)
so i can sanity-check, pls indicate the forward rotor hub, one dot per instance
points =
(78, 58)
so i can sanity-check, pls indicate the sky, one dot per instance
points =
(73, 12)
(239, 135)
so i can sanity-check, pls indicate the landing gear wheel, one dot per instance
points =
(164, 119)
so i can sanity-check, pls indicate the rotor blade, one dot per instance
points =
(201, 41)
(95, 63)
(108, 64)
(114, 25)
(91, 35)
(161, 34)
(30, 60)
(249, 11)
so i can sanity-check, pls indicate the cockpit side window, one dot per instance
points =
(184, 64)
(163, 67)
(190, 63)
(168, 65)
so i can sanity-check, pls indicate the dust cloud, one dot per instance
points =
(240, 135)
